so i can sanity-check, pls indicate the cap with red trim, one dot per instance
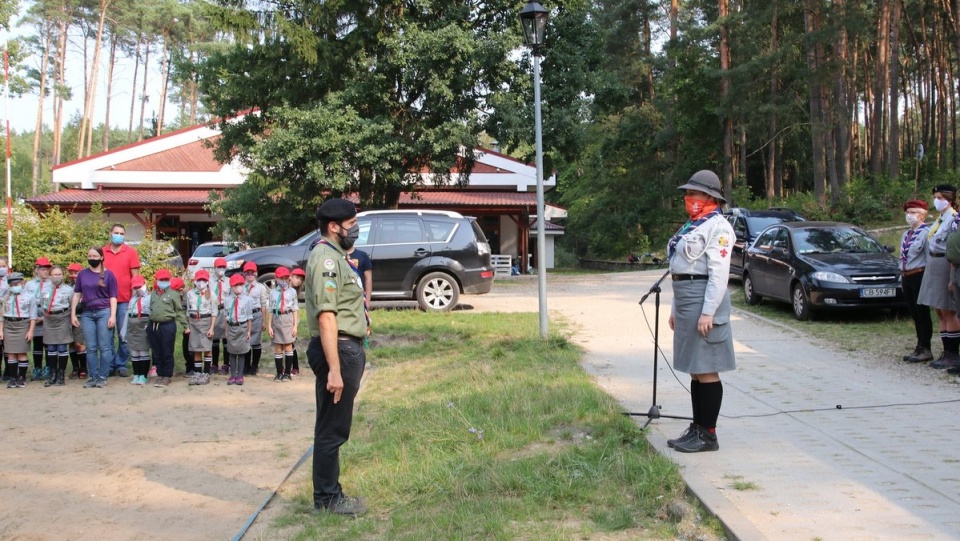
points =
(43, 262)
(74, 267)
(299, 272)
(282, 272)
(236, 280)
(201, 275)
(249, 266)
(220, 262)
(162, 274)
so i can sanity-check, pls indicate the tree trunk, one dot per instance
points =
(87, 119)
(770, 185)
(113, 62)
(842, 117)
(143, 93)
(165, 82)
(893, 150)
(880, 88)
(816, 106)
(724, 98)
(133, 86)
(38, 127)
(59, 85)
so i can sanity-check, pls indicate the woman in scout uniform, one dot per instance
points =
(238, 320)
(913, 263)
(202, 314)
(297, 276)
(38, 286)
(78, 349)
(219, 288)
(261, 302)
(282, 321)
(135, 330)
(16, 328)
(936, 276)
(55, 307)
(699, 256)
(166, 310)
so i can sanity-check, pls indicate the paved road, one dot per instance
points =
(809, 446)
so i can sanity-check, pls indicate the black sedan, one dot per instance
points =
(747, 225)
(820, 265)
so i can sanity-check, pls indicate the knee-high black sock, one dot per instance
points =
(82, 360)
(278, 360)
(952, 342)
(216, 354)
(695, 400)
(248, 363)
(257, 351)
(296, 359)
(711, 396)
(74, 360)
(62, 365)
(288, 356)
(38, 352)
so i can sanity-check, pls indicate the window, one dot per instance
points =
(400, 231)
(439, 231)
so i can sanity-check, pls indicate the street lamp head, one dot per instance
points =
(533, 18)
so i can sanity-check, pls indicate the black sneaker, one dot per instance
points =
(12, 384)
(286, 377)
(700, 441)
(21, 383)
(344, 505)
(947, 360)
(278, 378)
(683, 437)
(919, 355)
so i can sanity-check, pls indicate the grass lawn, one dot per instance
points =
(471, 427)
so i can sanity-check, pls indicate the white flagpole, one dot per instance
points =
(6, 108)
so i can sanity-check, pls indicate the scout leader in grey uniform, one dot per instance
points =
(55, 309)
(700, 316)
(913, 262)
(936, 277)
(16, 328)
(335, 313)
(38, 285)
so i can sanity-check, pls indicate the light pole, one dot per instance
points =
(533, 18)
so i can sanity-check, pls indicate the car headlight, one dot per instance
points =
(235, 264)
(824, 276)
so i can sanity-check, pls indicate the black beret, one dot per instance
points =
(336, 210)
(944, 188)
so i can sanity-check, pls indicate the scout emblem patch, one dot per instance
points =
(329, 264)
(330, 285)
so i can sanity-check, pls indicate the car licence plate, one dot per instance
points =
(878, 292)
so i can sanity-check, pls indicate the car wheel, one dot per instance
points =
(268, 279)
(438, 292)
(801, 304)
(749, 295)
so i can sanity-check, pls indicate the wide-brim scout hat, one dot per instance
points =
(14, 277)
(706, 181)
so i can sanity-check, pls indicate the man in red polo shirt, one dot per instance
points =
(124, 262)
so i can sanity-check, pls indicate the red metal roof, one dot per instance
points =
(468, 199)
(119, 196)
(193, 157)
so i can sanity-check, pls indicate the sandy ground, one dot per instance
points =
(129, 462)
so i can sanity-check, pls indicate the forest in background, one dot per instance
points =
(818, 105)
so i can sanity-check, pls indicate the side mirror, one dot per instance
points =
(888, 248)
(740, 235)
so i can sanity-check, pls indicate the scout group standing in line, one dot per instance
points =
(61, 315)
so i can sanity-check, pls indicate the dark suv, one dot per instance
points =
(747, 225)
(429, 256)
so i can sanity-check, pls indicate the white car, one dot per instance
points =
(208, 252)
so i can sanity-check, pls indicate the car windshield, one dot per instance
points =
(759, 223)
(304, 239)
(827, 240)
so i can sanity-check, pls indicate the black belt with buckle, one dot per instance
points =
(201, 316)
(937, 254)
(349, 338)
(686, 277)
(287, 312)
(255, 310)
(237, 324)
(55, 312)
(16, 318)
(219, 307)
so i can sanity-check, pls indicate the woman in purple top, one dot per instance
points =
(96, 288)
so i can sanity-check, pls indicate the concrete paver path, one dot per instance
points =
(812, 442)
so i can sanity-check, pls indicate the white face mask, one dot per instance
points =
(220, 272)
(238, 290)
(912, 219)
(940, 204)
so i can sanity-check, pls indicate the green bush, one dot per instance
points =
(64, 240)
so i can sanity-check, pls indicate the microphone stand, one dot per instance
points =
(654, 412)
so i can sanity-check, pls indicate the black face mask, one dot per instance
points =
(94, 263)
(346, 242)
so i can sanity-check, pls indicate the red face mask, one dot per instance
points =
(697, 207)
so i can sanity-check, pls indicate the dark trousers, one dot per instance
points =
(919, 312)
(332, 428)
(162, 338)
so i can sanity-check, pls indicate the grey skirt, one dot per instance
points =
(78, 335)
(256, 332)
(137, 333)
(198, 334)
(15, 336)
(218, 330)
(283, 328)
(692, 353)
(237, 343)
(933, 288)
(58, 328)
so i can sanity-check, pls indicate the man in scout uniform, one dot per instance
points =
(335, 313)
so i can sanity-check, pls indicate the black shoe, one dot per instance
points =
(344, 505)
(12, 384)
(955, 370)
(50, 382)
(122, 372)
(701, 441)
(60, 377)
(919, 355)
(286, 377)
(21, 383)
(278, 377)
(683, 437)
(947, 360)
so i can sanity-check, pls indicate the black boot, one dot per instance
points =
(701, 440)
(52, 379)
(60, 377)
(919, 355)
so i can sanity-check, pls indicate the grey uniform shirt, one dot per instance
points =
(915, 254)
(706, 251)
(937, 242)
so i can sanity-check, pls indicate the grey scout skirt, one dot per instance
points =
(933, 288)
(198, 333)
(58, 328)
(237, 343)
(283, 328)
(15, 336)
(692, 353)
(137, 333)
